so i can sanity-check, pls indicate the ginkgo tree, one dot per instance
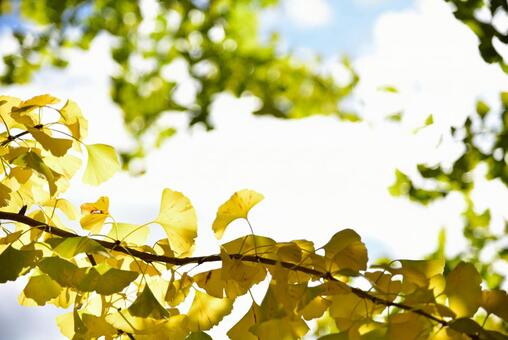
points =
(113, 284)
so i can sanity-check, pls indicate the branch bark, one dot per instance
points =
(179, 261)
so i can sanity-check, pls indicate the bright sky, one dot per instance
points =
(318, 175)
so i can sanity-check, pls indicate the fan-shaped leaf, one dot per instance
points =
(237, 206)
(178, 218)
(102, 164)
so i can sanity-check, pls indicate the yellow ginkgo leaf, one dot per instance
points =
(102, 163)
(42, 100)
(93, 215)
(237, 206)
(464, 290)
(346, 252)
(207, 311)
(496, 302)
(57, 146)
(72, 117)
(178, 218)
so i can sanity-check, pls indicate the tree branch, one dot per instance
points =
(179, 261)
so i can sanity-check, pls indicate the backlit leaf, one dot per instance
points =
(32, 161)
(346, 251)
(41, 289)
(146, 305)
(496, 302)
(178, 218)
(102, 163)
(241, 330)
(41, 100)
(70, 247)
(207, 311)
(463, 289)
(94, 214)
(130, 233)
(237, 206)
(14, 262)
(57, 146)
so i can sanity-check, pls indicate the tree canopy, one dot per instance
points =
(216, 41)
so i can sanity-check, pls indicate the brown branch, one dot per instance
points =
(179, 261)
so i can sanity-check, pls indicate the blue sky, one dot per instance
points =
(339, 26)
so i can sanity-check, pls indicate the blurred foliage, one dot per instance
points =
(484, 137)
(216, 41)
(480, 16)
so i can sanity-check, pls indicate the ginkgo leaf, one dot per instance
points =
(463, 289)
(132, 233)
(94, 214)
(64, 205)
(420, 272)
(70, 247)
(41, 100)
(198, 336)
(346, 252)
(207, 311)
(32, 161)
(14, 262)
(66, 273)
(125, 322)
(57, 146)
(106, 280)
(237, 206)
(4, 195)
(178, 218)
(74, 120)
(102, 163)
(97, 327)
(284, 329)
(146, 305)
(496, 302)
(408, 326)
(178, 290)
(41, 289)
(241, 330)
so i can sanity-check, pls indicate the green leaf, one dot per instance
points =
(237, 206)
(146, 305)
(102, 278)
(14, 262)
(178, 218)
(66, 273)
(41, 289)
(102, 164)
(482, 108)
(72, 246)
(198, 336)
(106, 280)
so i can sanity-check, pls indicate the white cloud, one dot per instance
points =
(308, 14)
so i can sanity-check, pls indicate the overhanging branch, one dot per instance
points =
(147, 257)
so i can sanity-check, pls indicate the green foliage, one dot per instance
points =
(217, 41)
(121, 287)
(486, 31)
